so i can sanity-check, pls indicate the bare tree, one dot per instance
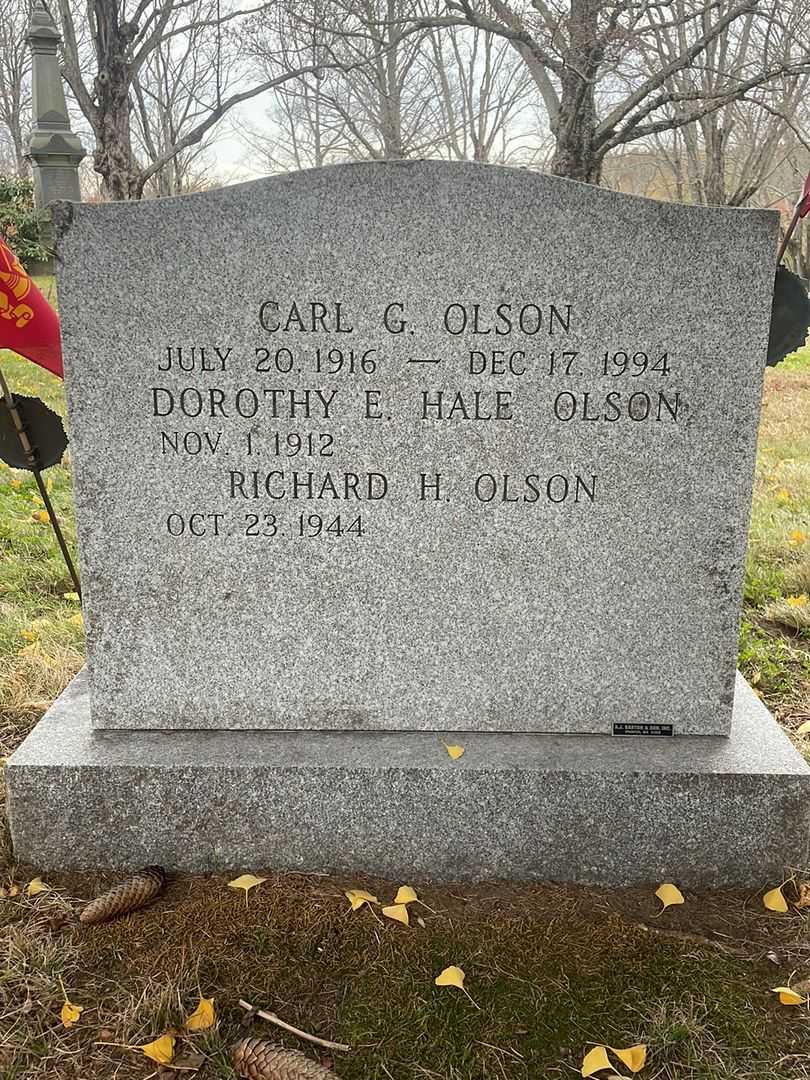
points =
(106, 47)
(726, 155)
(15, 69)
(172, 91)
(372, 92)
(486, 95)
(458, 92)
(578, 53)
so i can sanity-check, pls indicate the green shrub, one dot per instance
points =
(20, 223)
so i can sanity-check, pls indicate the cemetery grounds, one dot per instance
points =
(550, 971)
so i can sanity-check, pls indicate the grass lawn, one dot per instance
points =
(550, 970)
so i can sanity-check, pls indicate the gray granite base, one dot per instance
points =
(699, 810)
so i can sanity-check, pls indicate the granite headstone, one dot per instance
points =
(388, 456)
(414, 446)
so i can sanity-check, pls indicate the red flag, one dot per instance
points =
(804, 202)
(28, 323)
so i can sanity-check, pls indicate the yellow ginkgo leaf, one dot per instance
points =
(804, 728)
(161, 1050)
(358, 897)
(35, 886)
(77, 619)
(246, 882)
(775, 900)
(455, 752)
(669, 894)
(783, 495)
(796, 601)
(41, 516)
(797, 537)
(451, 976)
(595, 1061)
(70, 1013)
(203, 1016)
(788, 996)
(70, 596)
(405, 895)
(398, 912)
(634, 1057)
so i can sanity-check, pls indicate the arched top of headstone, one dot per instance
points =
(439, 177)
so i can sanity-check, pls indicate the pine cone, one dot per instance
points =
(256, 1059)
(128, 896)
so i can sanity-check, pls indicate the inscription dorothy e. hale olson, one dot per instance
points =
(298, 433)
(413, 446)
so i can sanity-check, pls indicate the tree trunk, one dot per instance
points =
(576, 154)
(714, 169)
(113, 158)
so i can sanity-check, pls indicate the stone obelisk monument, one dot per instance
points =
(54, 150)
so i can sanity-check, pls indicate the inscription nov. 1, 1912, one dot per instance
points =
(300, 424)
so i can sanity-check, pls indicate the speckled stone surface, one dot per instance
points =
(696, 810)
(466, 612)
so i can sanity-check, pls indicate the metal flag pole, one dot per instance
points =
(799, 211)
(31, 456)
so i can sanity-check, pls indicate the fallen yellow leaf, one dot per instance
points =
(669, 894)
(775, 900)
(77, 619)
(246, 882)
(203, 1016)
(595, 1061)
(451, 976)
(70, 1013)
(35, 886)
(788, 996)
(797, 537)
(634, 1057)
(358, 897)
(398, 912)
(783, 495)
(14, 890)
(161, 1050)
(41, 516)
(70, 596)
(455, 752)
(796, 601)
(405, 895)
(804, 728)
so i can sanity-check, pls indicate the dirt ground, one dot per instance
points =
(549, 970)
